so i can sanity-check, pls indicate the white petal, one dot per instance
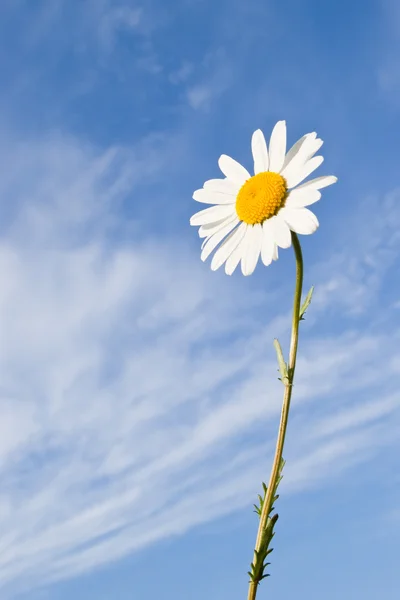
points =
(312, 145)
(208, 197)
(318, 183)
(233, 170)
(216, 239)
(253, 248)
(214, 213)
(224, 186)
(295, 149)
(302, 171)
(211, 228)
(275, 254)
(300, 220)
(277, 147)
(228, 246)
(268, 244)
(234, 259)
(280, 232)
(314, 148)
(205, 242)
(300, 197)
(260, 152)
(306, 151)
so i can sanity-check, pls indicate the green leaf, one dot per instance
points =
(281, 362)
(259, 565)
(306, 303)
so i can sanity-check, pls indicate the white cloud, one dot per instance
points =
(210, 87)
(129, 377)
(115, 19)
(388, 74)
(200, 96)
(106, 20)
(183, 73)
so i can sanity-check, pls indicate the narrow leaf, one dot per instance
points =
(281, 362)
(306, 303)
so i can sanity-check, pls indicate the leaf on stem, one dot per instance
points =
(306, 304)
(281, 362)
(259, 565)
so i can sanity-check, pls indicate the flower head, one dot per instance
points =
(254, 215)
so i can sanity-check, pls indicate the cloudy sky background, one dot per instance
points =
(138, 395)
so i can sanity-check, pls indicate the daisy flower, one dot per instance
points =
(254, 215)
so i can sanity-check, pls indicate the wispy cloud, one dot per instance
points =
(388, 74)
(215, 80)
(114, 19)
(183, 73)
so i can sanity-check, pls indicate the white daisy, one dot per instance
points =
(254, 215)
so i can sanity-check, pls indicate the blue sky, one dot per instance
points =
(139, 393)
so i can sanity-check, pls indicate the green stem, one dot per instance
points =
(266, 509)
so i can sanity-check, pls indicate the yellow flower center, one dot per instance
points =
(261, 197)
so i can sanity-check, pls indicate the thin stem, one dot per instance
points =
(266, 509)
